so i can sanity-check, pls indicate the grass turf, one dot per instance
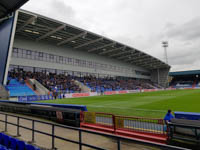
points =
(149, 104)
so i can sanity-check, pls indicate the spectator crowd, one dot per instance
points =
(67, 83)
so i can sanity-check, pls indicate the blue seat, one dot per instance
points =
(1, 138)
(3, 148)
(30, 147)
(21, 145)
(6, 140)
(13, 143)
(18, 89)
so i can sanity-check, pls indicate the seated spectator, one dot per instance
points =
(65, 83)
(168, 117)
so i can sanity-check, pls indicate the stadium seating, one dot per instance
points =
(111, 84)
(184, 82)
(66, 83)
(10, 143)
(51, 81)
(17, 88)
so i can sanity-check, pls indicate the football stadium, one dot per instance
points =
(63, 87)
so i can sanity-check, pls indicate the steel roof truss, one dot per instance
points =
(123, 52)
(115, 49)
(147, 63)
(106, 45)
(72, 38)
(51, 32)
(89, 42)
(29, 21)
(124, 56)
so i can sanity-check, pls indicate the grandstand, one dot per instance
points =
(76, 60)
(185, 79)
(41, 57)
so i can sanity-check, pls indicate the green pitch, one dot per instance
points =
(150, 104)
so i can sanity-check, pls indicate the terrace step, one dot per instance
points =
(97, 127)
(150, 137)
(162, 139)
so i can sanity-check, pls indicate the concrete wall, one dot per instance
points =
(72, 53)
(160, 76)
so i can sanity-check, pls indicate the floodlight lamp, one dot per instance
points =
(165, 44)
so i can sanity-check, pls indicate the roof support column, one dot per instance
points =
(158, 76)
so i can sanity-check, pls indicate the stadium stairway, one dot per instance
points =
(153, 87)
(40, 89)
(84, 89)
(30, 86)
(18, 89)
(194, 84)
(145, 136)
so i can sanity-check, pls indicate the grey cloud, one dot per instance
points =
(185, 56)
(61, 9)
(188, 31)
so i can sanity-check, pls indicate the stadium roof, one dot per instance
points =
(182, 73)
(39, 28)
(8, 6)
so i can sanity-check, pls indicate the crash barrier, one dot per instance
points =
(142, 128)
(5, 119)
(187, 115)
(62, 115)
(126, 123)
(186, 130)
(70, 106)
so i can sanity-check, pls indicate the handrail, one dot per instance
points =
(141, 124)
(183, 125)
(118, 138)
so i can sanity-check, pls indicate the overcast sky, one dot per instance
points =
(142, 24)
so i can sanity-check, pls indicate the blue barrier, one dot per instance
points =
(187, 115)
(34, 98)
(71, 106)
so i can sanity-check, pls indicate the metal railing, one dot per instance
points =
(140, 124)
(80, 132)
(105, 119)
(147, 125)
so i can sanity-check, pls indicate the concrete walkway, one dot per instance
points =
(45, 141)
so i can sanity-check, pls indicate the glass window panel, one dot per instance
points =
(28, 52)
(15, 50)
(60, 59)
(40, 54)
